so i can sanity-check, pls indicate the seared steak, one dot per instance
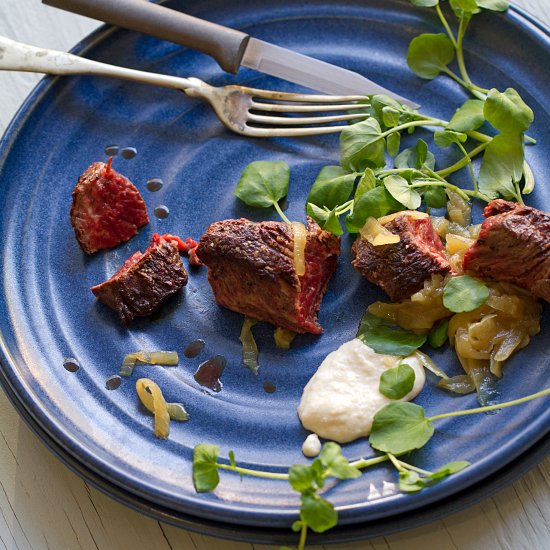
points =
(107, 209)
(513, 246)
(251, 271)
(400, 269)
(145, 280)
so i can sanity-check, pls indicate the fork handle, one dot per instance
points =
(225, 45)
(15, 56)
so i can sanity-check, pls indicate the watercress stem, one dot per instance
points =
(367, 462)
(303, 536)
(255, 473)
(492, 407)
(463, 161)
(421, 122)
(280, 212)
(470, 166)
(445, 24)
(408, 466)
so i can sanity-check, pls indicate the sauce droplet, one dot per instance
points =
(128, 153)
(208, 374)
(269, 387)
(161, 212)
(154, 184)
(113, 382)
(194, 348)
(71, 364)
(111, 150)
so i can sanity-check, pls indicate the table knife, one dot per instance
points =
(229, 47)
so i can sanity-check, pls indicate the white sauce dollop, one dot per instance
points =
(311, 446)
(342, 397)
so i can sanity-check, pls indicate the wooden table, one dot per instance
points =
(44, 505)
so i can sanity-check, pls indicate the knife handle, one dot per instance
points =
(225, 45)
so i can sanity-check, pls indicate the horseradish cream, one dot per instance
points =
(342, 397)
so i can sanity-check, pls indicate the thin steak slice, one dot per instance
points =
(107, 209)
(513, 246)
(400, 269)
(145, 280)
(251, 270)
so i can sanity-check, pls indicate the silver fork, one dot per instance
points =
(246, 111)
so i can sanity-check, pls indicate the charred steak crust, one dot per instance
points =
(513, 246)
(400, 269)
(251, 271)
(144, 281)
(107, 209)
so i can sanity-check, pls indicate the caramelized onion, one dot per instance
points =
(376, 234)
(250, 349)
(283, 337)
(152, 398)
(416, 214)
(299, 233)
(166, 358)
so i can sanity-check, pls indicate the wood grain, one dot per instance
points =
(43, 505)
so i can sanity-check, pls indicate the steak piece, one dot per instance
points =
(251, 271)
(145, 280)
(513, 246)
(107, 209)
(400, 269)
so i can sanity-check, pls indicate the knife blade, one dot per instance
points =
(229, 47)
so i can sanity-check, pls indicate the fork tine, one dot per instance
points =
(297, 121)
(287, 108)
(290, 132)
(292, 97)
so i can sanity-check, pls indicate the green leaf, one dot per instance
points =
(468, 117)
(366, 183)
(435, 197)
(301, 477)
(494, 5)
(393, 141)
(385, 339)
(464, 7)
(429, 54)
(336, 464)
(362, 146)
(502, 165)
(400, 190)
(332, 187)
(446, 138)
(425, 3)
(439, 333)
(464, 293)
(415, 157)
(374, 203)
(382, 107)
(400, 427)
(397, 382)
(507, 111)
(410, 482)
(390, 117)
(263, 183)
(205, 469)
(529, 184)
(327, 219)
(448, 469)
(318, 513)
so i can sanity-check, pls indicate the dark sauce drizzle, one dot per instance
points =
(154, 184)
(161, 211)
(111, 150)
(193, 349)
(128, 153)
(71, 364)
(208, 374)
(113, 382)
(269, 387)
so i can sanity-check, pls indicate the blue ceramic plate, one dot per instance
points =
(47, 312)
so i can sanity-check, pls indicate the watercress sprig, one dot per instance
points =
(398, 428)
